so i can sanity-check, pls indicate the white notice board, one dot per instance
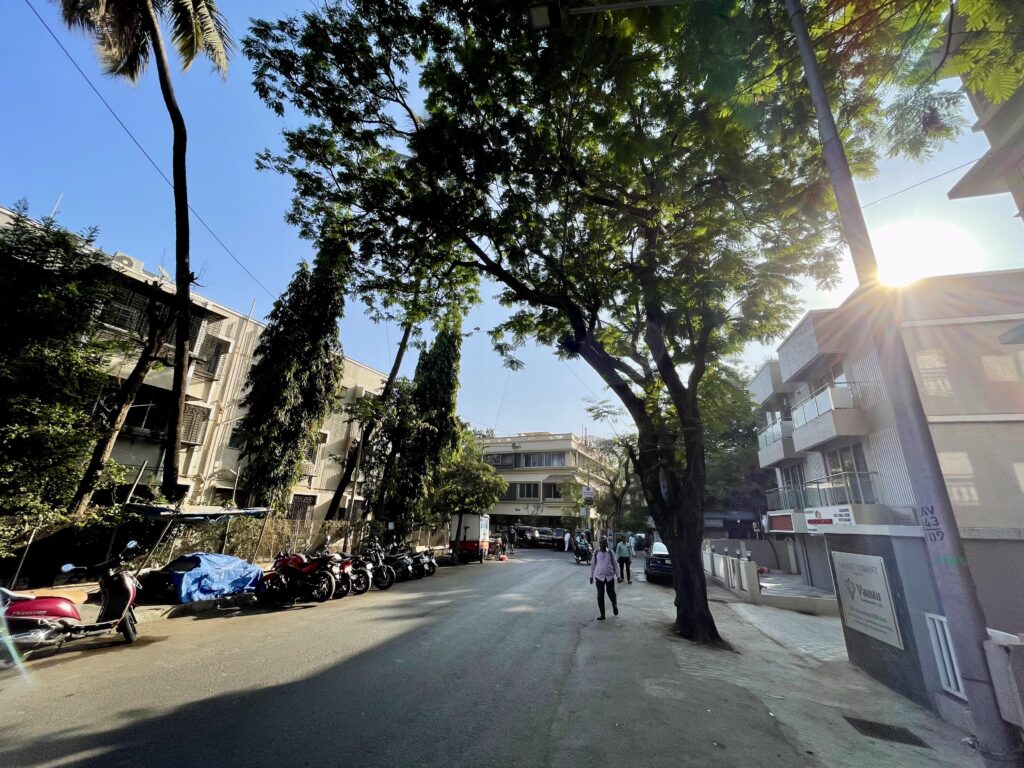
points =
(866, 596)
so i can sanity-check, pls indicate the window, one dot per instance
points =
(552, 491)
(193, 426)
(211, 353)
(833, 377)
(528, 491)
(849, 458)
(501, 460)
(509, 494)
(148, 415)
(301, 507)
(236, 441)
(544, 459)
(312, 452)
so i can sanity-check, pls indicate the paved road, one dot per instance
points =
(468, 667)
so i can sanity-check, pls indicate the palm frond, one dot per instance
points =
(120, 29)
(198, 27)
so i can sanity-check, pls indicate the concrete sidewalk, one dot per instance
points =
(778, 700)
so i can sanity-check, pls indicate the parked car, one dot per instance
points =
(528, 536)
(658, 566)
(545, 537)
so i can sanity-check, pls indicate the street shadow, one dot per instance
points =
(388, 706)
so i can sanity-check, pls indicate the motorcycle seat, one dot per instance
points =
(6, 594)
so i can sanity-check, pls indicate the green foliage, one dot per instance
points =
(52, 369)
(121, 30)
(296, 378)
(465, 482)
(418, 429)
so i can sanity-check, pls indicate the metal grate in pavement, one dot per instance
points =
(894, 733)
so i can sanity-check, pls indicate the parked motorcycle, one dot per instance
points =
(296, 577)
(383, 574)
(401, 561)
(426, 561)
(37, 622)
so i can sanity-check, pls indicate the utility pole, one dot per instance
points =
(995, 738)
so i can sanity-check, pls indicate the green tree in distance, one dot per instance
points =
(295, 380)
(127, 33)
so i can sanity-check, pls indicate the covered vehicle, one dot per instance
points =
(201, 576)
(658, 566)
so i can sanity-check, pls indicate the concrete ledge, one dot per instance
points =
(817, 606)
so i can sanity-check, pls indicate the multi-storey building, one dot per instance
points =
(843, 490)
(223, 341)
(546, 475)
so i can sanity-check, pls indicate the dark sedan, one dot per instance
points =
(658, 566)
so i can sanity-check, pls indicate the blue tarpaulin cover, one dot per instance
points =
(214, 576)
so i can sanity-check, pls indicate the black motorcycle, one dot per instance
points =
(382, 575)
(425, 562)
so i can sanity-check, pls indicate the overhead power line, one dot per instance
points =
(142, 149)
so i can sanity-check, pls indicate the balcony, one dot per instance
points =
(820, 334)
(775, 443)
(841, 489)
(767, 385)
(828, 415)
(785, 499)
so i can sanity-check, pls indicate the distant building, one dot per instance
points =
(843, 490)
(546, 475)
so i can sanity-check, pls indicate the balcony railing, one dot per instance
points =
(787, 497)
(844, 488)
(821, 402)
(774, 432)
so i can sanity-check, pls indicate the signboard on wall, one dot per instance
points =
(823, 519)
(588, 495)
(864, 593)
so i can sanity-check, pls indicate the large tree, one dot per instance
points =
(127, 34)
(295, 380)
(645, 186)
(53, 284)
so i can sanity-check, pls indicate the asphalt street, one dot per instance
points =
(494, 664)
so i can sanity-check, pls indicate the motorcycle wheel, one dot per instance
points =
(128, 628)
(271, 593)
(418, 572)
(360, 582)
(322, 587)
(342, 586)
(384, 578)
(430, 569)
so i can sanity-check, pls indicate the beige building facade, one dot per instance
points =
(546, 475)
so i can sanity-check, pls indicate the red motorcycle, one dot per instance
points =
(37, 622)
(296, 577)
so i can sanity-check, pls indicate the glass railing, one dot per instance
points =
(844, 488)
(787, 497)
(824, 400)
(774, 432)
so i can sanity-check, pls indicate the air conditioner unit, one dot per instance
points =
(126, 261)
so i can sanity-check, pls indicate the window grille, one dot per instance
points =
(945, 656)
(193, 426)
(211, 353)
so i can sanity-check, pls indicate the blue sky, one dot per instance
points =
(59, 140)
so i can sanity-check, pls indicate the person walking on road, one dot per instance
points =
(568, 541)
(624, 553)
(602, 568)
(511, 540)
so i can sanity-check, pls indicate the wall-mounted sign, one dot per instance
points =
(823, 519)
(864, 593)
(588, 494)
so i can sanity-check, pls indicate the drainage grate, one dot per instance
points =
(895, 733)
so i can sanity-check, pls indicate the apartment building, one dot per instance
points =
(546, 475)
(223, 341)
(843, 491)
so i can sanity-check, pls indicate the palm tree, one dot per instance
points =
(127, 34)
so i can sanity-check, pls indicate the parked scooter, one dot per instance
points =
(425, 562)
(296, 577)
(37, 622)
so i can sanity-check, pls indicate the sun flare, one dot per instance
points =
(914, 248)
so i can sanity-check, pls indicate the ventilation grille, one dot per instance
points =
(894, 733)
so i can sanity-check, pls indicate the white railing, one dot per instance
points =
(774, 432)
(821, 402)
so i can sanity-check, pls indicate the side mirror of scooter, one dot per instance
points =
(133, 544)
(67, 568)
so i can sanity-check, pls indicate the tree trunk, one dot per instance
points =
(367, 431)
(182, 270)
(123, 400)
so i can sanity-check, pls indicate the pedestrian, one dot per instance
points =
(568, 541)
(625, 556)
(602, 568)
(511, 540)
(632, 545)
